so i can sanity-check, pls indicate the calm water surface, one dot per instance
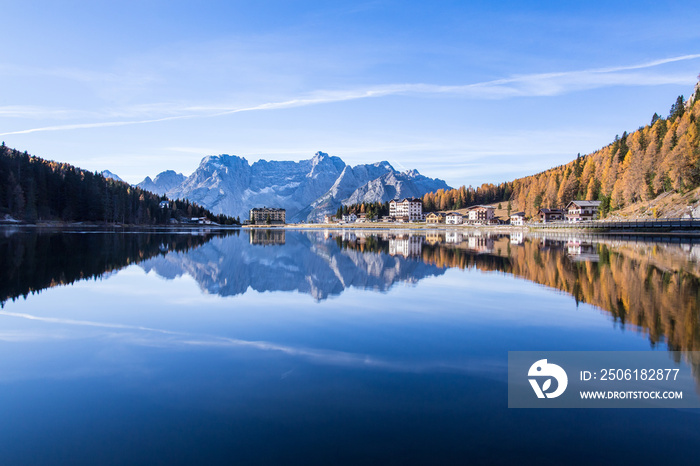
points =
(327, 347)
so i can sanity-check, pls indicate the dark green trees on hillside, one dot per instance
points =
(33, 189)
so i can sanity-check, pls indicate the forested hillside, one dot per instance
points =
(33, 189)
(660, 157)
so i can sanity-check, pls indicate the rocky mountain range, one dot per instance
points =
(163, 183)
(307, 189)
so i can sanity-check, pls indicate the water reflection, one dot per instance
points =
(650, 285)
(653, 286)
(151, 363)
(32, 260)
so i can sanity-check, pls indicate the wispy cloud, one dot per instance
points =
(530, 85)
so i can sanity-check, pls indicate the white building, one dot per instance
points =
(481, 213)
(408, 210)
(582, 210)
(517, 218)
(349, 218)
(453, 218)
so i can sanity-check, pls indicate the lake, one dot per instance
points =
(328, 346)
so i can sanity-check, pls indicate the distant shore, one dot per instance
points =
(570, 228)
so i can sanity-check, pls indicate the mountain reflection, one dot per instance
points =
(653, 286)
(318, 263)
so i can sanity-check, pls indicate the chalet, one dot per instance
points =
(453, 218)
(551, 215)
(329, 219)
(578, 211)
(267, 215)
(435, 217)
(518, 218)
(481, 214)
(409, 209)
(349, 218)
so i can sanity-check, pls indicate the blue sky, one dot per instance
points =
(470, 92)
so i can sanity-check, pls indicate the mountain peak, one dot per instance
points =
(307, 189)
(109, 174)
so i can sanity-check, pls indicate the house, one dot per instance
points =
(578, 211)
(453, 218)
(329, 219)
(387, 218)
(164, 204)
(409, 209)
(518, 219)
(349, 218)
(551, 215)
(435, 217)
(481, 214)
(267, 215)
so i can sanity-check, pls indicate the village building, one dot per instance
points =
(551, 215)
(453, 218)
(481, 214)
(267, 216)
(408, 210)
(517, 219)
(435, 217)
(349, 218)
(578, 211)
(329, 219)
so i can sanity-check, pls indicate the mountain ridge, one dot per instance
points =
(307, 189)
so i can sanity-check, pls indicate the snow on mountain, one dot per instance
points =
(163, 182)
(307, 189)
(109, 174)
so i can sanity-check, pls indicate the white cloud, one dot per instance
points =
(531, 85)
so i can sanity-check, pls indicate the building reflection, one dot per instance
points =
(406, 245)
(267, 237)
